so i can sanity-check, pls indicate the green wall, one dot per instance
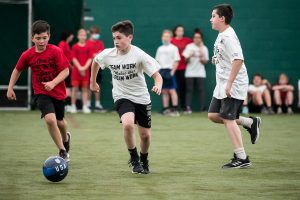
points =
(269, 31)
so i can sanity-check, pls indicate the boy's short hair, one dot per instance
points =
(40, 26)
(94, 29)
(125, 27)
(167, 31)
(175, 29)
(224, 10)
(258, 75)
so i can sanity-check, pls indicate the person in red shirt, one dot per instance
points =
(82, 59)
(96, 46)
(49, 69)
(64, 45)
(181, 42)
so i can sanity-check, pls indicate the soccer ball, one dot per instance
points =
(55, 168)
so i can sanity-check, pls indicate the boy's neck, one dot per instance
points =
(40, 50)
(223, 28)
(125, 51)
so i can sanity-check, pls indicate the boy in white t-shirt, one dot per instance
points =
(167, 55)
(232, 86)
(128, 64)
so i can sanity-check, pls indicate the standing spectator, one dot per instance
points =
(82, 59)
(283, 94)
(196, 55)
(64, 45)
(96, 46)
(167, 56)
(259, 95)
(299, 93)
(180, 41)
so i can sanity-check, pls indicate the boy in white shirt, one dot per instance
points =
(168, 57)
(130, 93)
(232, 86)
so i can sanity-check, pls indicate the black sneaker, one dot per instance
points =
(237, 163)
(64, 154)
(67, 144)
(254, 129)
(136, 166)
(145, 165)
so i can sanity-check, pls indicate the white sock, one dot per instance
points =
(246, 121)
(88, 102)
(240, 153)
(98, 104)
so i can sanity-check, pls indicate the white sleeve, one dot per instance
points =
(187, 51)
(100, 60)
(150, 65)
(206, 53)
(176, 54)
(234, 49)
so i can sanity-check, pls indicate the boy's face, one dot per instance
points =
(40, 41)
(257, 80)
(166, 37)
(216, 20)
(81, 36)
(179, 31)
(197, 38)
(121, 41)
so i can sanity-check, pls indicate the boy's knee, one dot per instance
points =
(212, 116)
(145, 136)
(49, 119)
(128, 125)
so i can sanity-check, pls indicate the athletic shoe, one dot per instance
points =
(64, 154)
(99, 109)
(145, 165)
(279, 110)
(72, 109)
(67, 144)
(136, 166)
(254, 129)
(86, 110)
(289, 110)
(237, 163)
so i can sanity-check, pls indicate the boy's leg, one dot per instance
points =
(66, 136)
(174, 99)
(189, 92)
(53, 129)
(145, 136)
(73, 99)
(128, 129)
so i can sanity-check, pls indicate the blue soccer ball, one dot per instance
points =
(55, 168)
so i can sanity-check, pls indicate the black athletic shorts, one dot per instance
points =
(142, 113)
(48, 105)
(228, 108)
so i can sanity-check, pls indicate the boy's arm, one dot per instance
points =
(174, 67)
(94, 71)
(235, 68)
(157, 83)
(13, 79)
(59, 78)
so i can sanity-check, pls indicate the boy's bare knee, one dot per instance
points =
(128, 126)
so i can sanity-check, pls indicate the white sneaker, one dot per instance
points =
(86, 109)
(72, 109)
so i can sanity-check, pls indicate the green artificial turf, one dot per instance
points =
(186, 156)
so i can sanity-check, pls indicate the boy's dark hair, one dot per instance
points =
(259, 75)
(65, 35)
(198, 31)
(176, 27)
(94, 29)
(40, 26)
(125, 27)
(224, 10)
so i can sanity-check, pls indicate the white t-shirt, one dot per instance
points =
(227, 48)
(128, 73)
(194, 67)
(253, 88)
(167, 55)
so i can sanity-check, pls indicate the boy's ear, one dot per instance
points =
(130, 37)
(222, 18)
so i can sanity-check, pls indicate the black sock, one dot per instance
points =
(144, 156)
(133, 153)
(175, 108)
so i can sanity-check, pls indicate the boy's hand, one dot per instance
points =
(213, 60)
(156, 90)
(49, 85)
(228, 89)
(11, 95)
(94, 87)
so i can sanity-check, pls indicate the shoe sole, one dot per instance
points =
(244, 166)
(257, 129)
